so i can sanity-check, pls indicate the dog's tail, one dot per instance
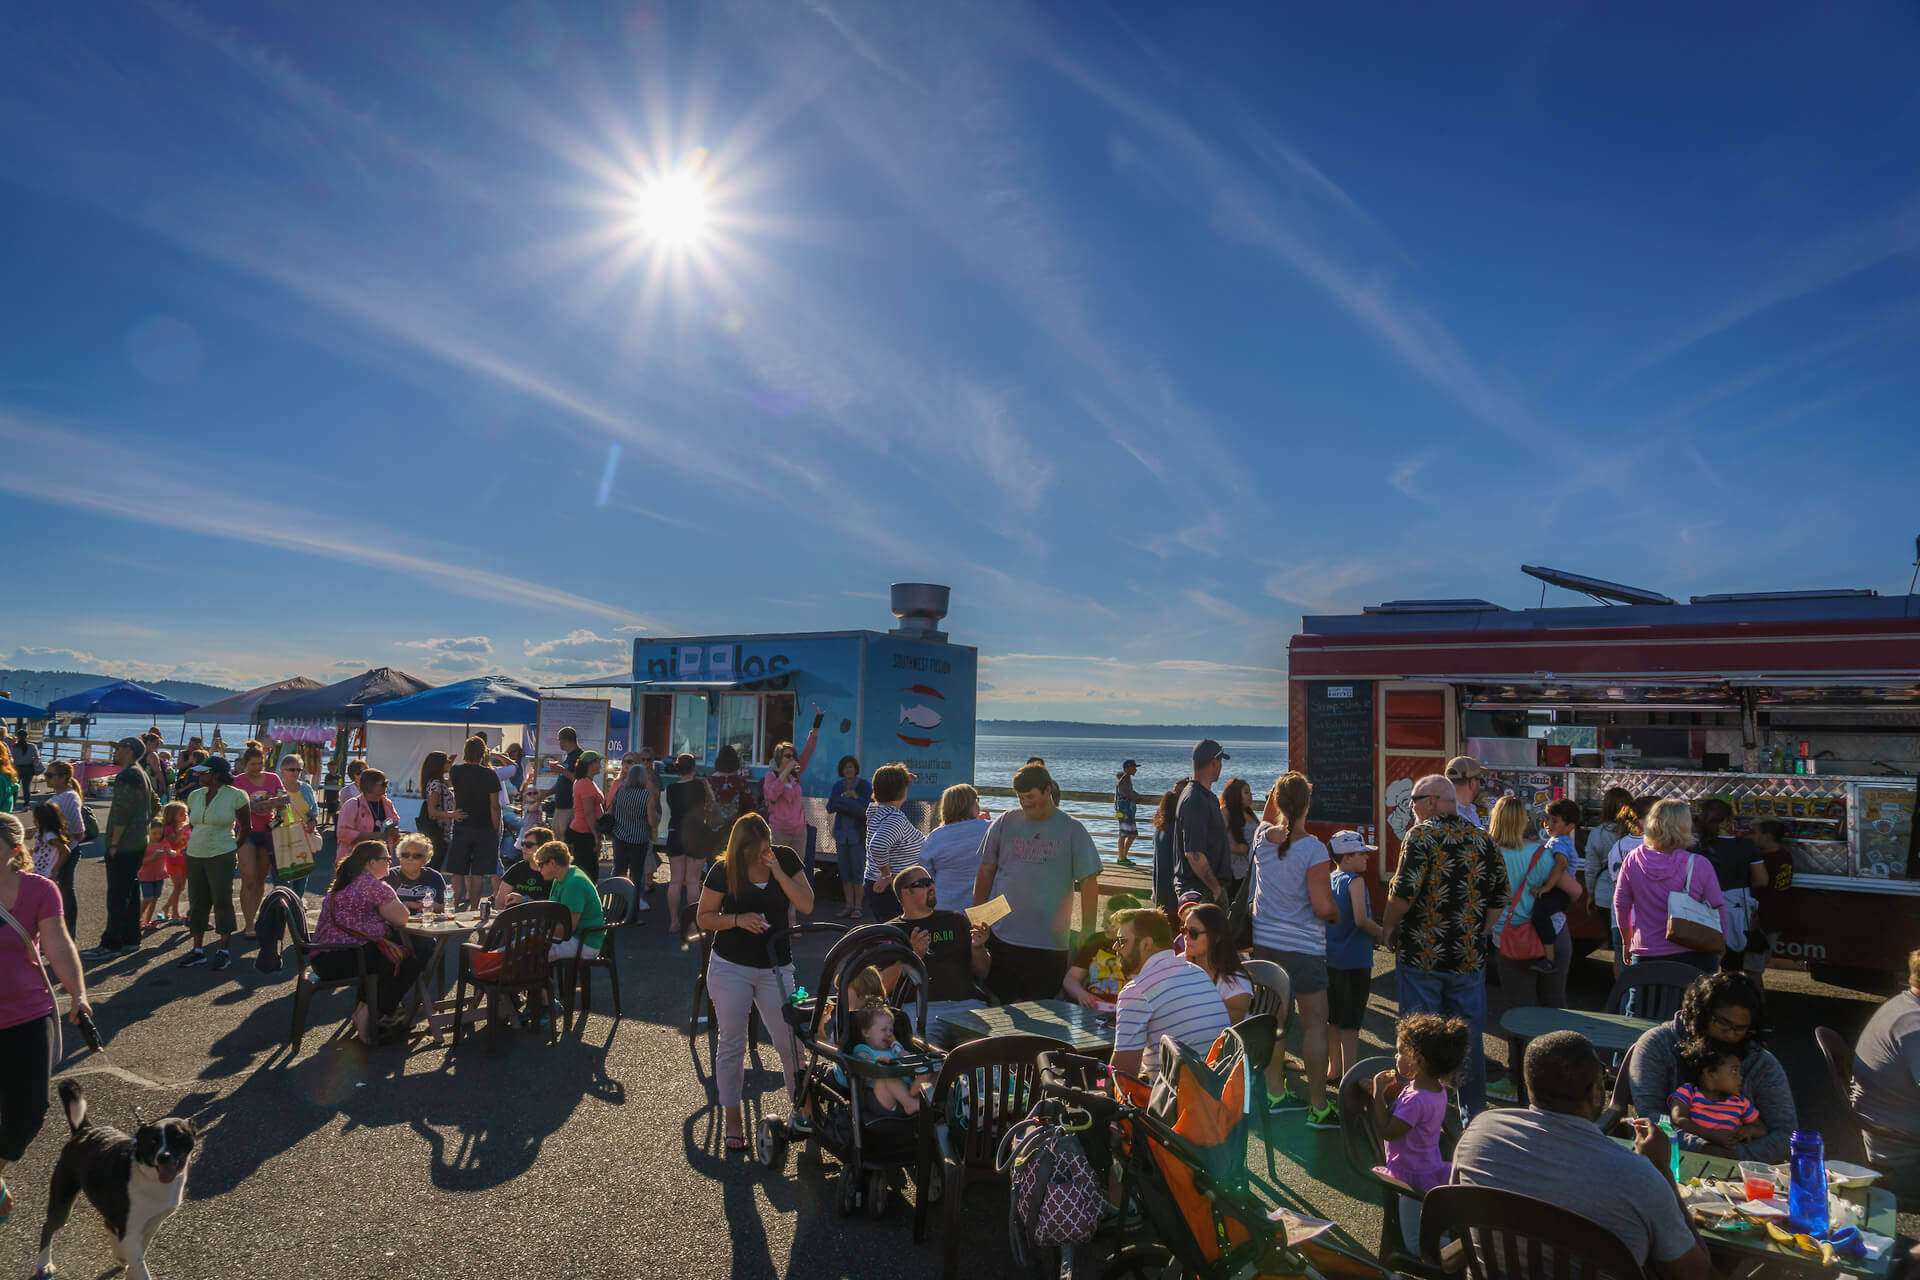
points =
(73, 1099)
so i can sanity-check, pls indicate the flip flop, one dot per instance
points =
(6, 1201)
(736, 1142)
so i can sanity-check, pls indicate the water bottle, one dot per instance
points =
(1673, 1148)
(1807, 1184)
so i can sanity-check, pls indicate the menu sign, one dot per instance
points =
(1340, 751)
(1883, 830)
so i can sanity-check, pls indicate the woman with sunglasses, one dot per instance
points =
(362, 909)
(522, 881)
(413, 881)
(1210, 945)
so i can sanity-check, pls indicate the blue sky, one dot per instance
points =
(338, 338)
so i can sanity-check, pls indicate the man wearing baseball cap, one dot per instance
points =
(134, 804)
(1464, 772)
(1125, 798)
(1447, 893)
(1202, 848)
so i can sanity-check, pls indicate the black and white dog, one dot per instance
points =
(136, 1183)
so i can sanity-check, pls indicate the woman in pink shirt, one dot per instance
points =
(369, 815)
(589, 802)
(265, 794)
(362, 912)
(26, 1006)
(786, 807)
(1664, 865)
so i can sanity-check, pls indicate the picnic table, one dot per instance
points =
(1740, 1253)
(441, 930)
(1611, 1033)
(1064, 1020)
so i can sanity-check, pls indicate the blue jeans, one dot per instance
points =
(1452, 995)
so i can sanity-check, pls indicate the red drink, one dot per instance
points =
(1759, 1188)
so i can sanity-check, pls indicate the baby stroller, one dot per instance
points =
(871, 1145)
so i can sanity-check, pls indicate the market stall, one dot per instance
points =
(332, 718)
(244, 708)
(1802, 708)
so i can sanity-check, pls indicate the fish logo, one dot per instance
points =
(920, 715)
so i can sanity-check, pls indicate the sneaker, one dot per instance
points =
(1123, 862)
(101, 952)
(1290, 1099)
(221, 960)
(1327, 1117)
(1543, 965)
(194, 958)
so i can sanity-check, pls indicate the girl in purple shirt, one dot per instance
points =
(1410, 1102)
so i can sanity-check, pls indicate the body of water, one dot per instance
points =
(1089, 764)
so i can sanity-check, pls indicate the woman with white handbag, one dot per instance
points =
(1667, 899)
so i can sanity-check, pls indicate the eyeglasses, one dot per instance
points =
(1429, 796)
(413, 857)
(1195, 933)
(1725, 1025)
(918, 884)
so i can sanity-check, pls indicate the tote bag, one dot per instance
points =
(293, 850)
(1691, 923)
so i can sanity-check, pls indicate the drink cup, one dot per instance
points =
(1758, 1179)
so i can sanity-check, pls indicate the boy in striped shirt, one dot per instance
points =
(1165, 995)
(1712, 1106)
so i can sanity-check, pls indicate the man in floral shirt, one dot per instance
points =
(1447, 892)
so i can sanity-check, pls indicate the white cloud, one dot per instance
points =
(629, 630)
(450, 644)
(580, 652)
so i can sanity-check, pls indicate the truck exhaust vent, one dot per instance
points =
(920, 606)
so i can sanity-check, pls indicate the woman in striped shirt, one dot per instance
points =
(893, 842)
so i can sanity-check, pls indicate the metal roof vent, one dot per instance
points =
(920, 606)
(1434, 606)
(1748, 597)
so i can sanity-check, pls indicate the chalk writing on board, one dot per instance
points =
(1340, 750)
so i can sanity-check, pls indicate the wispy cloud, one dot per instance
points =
(124, 484)
(450, 644)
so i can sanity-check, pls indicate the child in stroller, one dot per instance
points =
(873, 1023)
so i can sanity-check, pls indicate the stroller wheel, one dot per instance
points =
(847, 1195)
(770, 1144)
(877, 1194)
(1139, 1262)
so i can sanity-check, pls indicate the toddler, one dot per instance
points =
(50, 841)
(1561, 817)
(152, 874)
(874, 1023)
(175, 829)
(1410, 1101)
(1711, 1106)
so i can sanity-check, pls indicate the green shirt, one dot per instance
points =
(131, 810)
(213, 821)
(577, 893)
(9, 793)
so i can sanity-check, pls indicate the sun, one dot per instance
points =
(671, 210)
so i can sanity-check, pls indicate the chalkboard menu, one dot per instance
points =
(1340, 750)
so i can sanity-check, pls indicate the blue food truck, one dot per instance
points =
(903, 695)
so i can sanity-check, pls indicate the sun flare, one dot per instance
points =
(671, 210)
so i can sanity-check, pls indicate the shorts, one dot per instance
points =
(473, 851)
(261, 840)
(1123, 815)
(1347, 992)
(151, 888)
(1307, 972)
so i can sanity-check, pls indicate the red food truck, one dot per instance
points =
(1802, 707)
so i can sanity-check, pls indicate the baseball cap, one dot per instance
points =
(1346, 842)
(1129, 764)
(219, 767)
(1460, 768)
(1207, 750)
(135, 745)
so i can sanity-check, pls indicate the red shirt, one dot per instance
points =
(588, 803)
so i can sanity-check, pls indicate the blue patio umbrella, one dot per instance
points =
(120, 697)
(11, 710)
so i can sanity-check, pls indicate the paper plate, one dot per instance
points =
(1842, 1174)
(1763, 1209)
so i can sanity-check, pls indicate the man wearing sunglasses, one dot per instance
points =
(953, 949)
(1448, 891)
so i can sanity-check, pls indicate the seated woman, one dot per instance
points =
(362, 909)
(522, 881)
(1726, 1009)
(1210, 945)
(568, 885)
(413, 881)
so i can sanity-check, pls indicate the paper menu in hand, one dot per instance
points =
(988, 912)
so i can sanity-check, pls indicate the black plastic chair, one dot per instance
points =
(306, 982)
(1656, 988)
(616, 902)
(1260, 1036)
(1366, 1153)
(523, 934)
(1002, 1075)
(1503, 1235)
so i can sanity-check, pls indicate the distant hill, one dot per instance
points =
(1080, 729)
(42, 687)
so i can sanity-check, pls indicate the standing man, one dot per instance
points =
(1125, 803)
(26, 763)
(1200, 828)
(473, 854)
(1446, 895)
(1465, 773)
(562, 793)
(1034, 857)
(953, 949)
(133, 806)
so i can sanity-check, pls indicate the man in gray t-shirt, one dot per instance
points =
(1033, 858)
(1553, 1151)
(1886, 1086)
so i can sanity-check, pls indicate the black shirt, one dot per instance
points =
(562, 792)
(412, 893)
(769, 900)
(1203, 831)
(949, 957)
(526, 881)
(1732, 858)
(474, 786)
(683, 798)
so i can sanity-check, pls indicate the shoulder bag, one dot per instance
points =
(55, 1047)
(1692, 923)
(1518, 938)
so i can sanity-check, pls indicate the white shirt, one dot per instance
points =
(1168, 997)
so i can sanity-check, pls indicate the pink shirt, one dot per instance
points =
(23, 992)
(267, 784)
(353, 914)
(1414, 1157)
(1640, 897)
(786, 808)
(588, 804)
(359, 820)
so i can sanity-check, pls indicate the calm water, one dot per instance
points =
(1089, 764)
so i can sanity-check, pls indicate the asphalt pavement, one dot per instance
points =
(596, 1156)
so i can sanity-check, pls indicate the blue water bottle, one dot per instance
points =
(1807, 1184)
